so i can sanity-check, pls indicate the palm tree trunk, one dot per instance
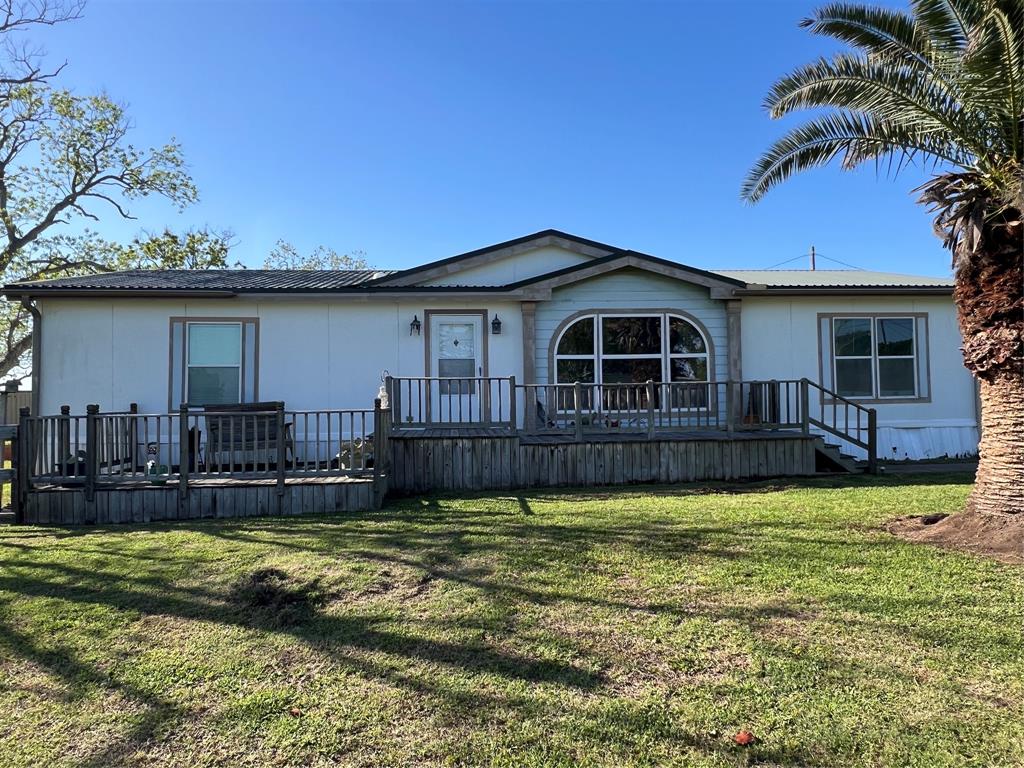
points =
(989, 296)
(999, 485)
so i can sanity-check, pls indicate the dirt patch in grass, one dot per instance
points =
(999, 537)
(404, 584)
(275, 598)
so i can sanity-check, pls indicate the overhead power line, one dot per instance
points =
(812, 255)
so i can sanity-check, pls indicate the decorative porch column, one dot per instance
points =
(529, 311)
(733, 333)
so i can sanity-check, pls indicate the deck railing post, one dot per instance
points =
(92, 443)
(22, 466)
(872, 441)
(379, 446)
(133, 435)
(26, 457)
(64, 438)
(394, 399)
(282, 446)
(650, 409)
(530, 406)
(577, 394)
(805, 406)
(512, 414)
(730, 405)
(184, 450)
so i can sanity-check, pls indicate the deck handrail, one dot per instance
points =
(438, 402)
(98, 448)
(861, 435)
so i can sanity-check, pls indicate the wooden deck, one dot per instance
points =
(499, 459)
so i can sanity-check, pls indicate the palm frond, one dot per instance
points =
(850, 136)
(948, 22)
(944, 84)
(994, 66)
(879, 32)
(904, 94)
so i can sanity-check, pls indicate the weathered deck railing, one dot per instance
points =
(643, 407)
(477, 401)
(93, 449)
(846, 419)
(419, 402)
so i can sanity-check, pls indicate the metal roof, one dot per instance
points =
(220, 280)
(833, 278)
(229, 282)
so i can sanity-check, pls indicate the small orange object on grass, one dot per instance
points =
(743, 738)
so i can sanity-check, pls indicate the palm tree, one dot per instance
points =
(940, 86)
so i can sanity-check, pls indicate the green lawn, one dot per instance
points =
(634, 627)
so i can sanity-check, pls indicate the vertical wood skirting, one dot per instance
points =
(149, 504)
(425, 464)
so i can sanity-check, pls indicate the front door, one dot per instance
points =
(458, 357)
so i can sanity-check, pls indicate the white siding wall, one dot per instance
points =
(313, 353)
(502, 271)
(780, 340)
(630, 289)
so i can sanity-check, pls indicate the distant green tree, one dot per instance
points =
(941, 86)
(192, 249)
(65, 160)
(286, 256)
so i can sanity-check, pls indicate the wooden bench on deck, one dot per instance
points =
(239, 431)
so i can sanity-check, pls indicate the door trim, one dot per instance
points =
(428, 315)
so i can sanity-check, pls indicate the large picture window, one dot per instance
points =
(213, 361)
(632, 349)
(876, 357)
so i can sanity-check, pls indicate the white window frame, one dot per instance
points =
(666, 356)
(874, 357)
(187, 347)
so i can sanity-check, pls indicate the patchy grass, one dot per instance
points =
(636, 627)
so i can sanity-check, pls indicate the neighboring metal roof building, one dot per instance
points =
(782, 282)
(832, 278)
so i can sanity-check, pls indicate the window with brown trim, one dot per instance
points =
(878, 357)
(213, 361)
(612, 348)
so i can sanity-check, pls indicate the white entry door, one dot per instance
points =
(456, 343)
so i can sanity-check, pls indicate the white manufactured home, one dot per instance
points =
(549, 333)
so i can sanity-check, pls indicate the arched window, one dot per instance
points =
(606, 348)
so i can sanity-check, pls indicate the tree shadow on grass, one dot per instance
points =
(459, 549)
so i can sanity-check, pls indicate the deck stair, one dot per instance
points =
(830, 458)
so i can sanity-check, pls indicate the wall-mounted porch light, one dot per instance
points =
(414, 326)
(496, 326)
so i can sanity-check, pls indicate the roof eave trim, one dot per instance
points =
(721, 287)
(27, 292)
(382, 292)
(454, 264)
(868, 290)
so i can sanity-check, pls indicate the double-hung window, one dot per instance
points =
(213, 361)
(214, 371)
(878, 357)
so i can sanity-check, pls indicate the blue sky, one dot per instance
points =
(414, 131)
